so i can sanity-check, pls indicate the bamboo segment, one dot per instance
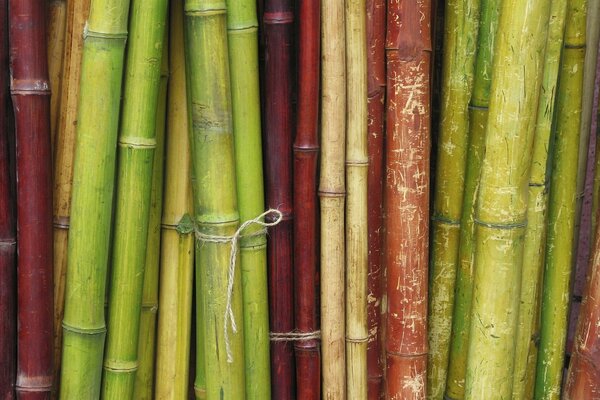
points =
(177, 242)
(137, 144)
(460, 41)
(375, 146)
(583, 378)
(30, 95)
(306, 151)
(94, 170)
(8, 234)
(278, 22)
(64, 151)
(56, 36)
(144, 378)
(357, 164)
(562, 207)
(242, 34)
(332, 198)
(535, 235)
(213, 166)
(408, 47)
(500, 217)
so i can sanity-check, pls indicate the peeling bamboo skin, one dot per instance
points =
(64, 151)
(562, 207)
(460, 42)
(332, 193)
(144, 377)
(30, 95)
(375, 149)
(173, 343)
(94, 170)
(500, 217)
(535, 236)
(215, 202)
(306, 152)
(245, 95)
(56, 37)
(406, 194)
(583, 378)
(8, 233)
(478, 115)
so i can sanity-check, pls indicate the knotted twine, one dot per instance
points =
(233, 239)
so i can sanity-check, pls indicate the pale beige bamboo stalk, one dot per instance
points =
(332, 197)
(55, 32)
(357, 162)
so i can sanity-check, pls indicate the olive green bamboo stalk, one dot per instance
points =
(137, 144)
(478, 114)
(242, 33)
(501, 210)
(57, 12)
(357, 163)
(562, 207)
(535, 235)
(144, 378)
(177, 239)
(97, 126)
(460, 40)
(215, 202)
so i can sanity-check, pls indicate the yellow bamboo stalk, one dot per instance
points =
(56, 11)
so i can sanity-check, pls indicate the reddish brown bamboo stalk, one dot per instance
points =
(376, 110)
(408, 49)
(31, 99)
(278, 20)
(583, 378)
(8, 326)
(306, 151)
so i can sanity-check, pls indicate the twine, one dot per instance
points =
(294, 336)
(229, 318)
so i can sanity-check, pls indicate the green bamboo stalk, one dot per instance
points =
(357, 163)
(501, 210)
(144, 378)
(535, 235)
(97, 126)
(478, 115)
(215, 202)
(177, 240)
(242, 33)
(460, 40)
(562, 207)
(137, 144)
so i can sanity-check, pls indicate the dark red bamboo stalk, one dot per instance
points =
(278, 21)
(306, 151)
(408, 50)
(583, 378)
(31, 102)
(376, 110)
(8, 326)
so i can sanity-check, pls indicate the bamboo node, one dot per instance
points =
(84, 331)
(357, 340)
(294, 336)
(234, 239)
(102, 35)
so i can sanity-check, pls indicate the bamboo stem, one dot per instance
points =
(460, 41)
(64, 152)
(93, 176)
(278, 20)
(8, 234)
(375, 147)
(177, 242)
(535, 235)
(215, 202)
(30, 94)
(408, 48)
(478, 115)
(501, 211)
(56, 36)
(306, 152)
(562, 207)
